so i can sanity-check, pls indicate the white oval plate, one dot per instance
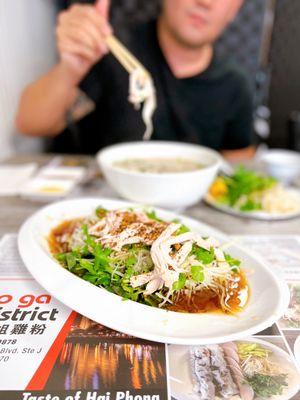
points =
(261, 215)
(268, 300)
(181, 384)
(297, 350)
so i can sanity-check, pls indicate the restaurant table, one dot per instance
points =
(14, 210)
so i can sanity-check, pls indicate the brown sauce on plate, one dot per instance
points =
(209, 301)
(56, 241)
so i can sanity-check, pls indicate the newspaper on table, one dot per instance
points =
(49, 352)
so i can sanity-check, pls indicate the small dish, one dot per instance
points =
(46, 189)
(282, 164)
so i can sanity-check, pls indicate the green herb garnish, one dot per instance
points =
(242, 187)
(266, 386)
(204, 256)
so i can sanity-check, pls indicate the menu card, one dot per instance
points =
(49, 352)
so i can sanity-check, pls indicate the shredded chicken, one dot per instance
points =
(280, 200)
(167, 268)
(121, 228)
(169, 252)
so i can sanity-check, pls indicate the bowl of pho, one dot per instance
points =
(166, 174)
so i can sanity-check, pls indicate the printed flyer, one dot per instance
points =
(46, 347)
(49, 352)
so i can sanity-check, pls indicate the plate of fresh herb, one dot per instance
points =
(251, 194)
(248, 369)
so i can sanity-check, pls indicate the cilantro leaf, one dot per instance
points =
(88, 265)
(197, 273)
(233, 262)
(130, 261)
(70, 260)
(182, 229)
(204, 256)
(178, 285)
(244, 182)
(152, 215)
(250, 205)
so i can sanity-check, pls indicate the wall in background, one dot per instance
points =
(27, 49)
(285, 68)
(243, 38)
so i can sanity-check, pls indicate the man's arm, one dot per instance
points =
(240, 154)
(44, 104)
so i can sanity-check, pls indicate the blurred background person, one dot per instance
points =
(27, 50)
(201, 97)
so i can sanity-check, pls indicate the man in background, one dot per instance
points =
(201, 98)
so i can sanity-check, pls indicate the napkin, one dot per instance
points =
(13, 177)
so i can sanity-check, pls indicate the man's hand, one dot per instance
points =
(81, 34)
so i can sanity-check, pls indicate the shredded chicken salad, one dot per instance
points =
(135, 254)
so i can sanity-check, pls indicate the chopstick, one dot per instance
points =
(127, 59)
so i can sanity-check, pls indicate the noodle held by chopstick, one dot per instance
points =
(141, 90)
(141, 87)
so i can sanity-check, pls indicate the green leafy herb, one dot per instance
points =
(130, 261)
(266, 386)
(152, 215)
(251, 205)
(96, 265)
(204, 256)
(197, 273)
(180, 283)
(88, 265)
(61, 258)
(233, 262)
(182, 229)
(245, 182)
